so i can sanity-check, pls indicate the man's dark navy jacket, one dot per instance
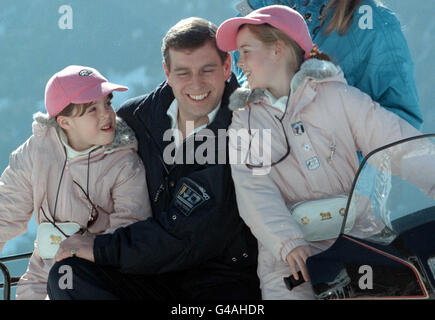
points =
(195, 227)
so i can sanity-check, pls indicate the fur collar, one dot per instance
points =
(124, 135)
(310, 69)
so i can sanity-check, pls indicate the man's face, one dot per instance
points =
(197, 77)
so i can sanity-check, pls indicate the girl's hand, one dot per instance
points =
(78, 245)
(298, 256)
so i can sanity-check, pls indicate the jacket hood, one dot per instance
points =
(124, 135)
(314, 69)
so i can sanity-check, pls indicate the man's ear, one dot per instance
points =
(63, 122)
(165, 67)
(227, 67)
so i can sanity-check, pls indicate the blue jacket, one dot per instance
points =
(377, 61)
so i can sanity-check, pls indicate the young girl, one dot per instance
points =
(79, 172)
(366, 40)
(317, 123)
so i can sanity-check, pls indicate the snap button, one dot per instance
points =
(245, 255)
(174, 217)
(171, 184)
(307, 147)
(234, 259)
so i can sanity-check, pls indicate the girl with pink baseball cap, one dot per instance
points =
(317, 124)
(78, 173)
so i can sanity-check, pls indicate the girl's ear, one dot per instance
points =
(63, 122)
(279, 48)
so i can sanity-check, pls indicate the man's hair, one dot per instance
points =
(190, 33)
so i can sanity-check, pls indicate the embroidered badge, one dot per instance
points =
(85, 72)
(305, 220)
(325, 215)
(55, 240)
(298, 128)
(313, 163)
(188, 199)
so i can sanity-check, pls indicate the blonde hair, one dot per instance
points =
(342, 15)
(269, 35)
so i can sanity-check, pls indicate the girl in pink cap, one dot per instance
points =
(317, 124)
(78, 173)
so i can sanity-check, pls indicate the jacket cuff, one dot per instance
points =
(104, 253)
(289, 245)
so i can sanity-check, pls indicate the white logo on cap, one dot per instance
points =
(85, 72)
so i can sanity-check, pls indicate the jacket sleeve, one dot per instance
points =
(130, 193)
(177, 238)
(16, 194)
(386, 69)
(371, 125)
(260, 203)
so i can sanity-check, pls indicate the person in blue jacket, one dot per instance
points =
(365, 39)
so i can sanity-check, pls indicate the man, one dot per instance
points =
(196, 246)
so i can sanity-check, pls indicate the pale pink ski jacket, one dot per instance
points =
(334, 116)
(34, 178)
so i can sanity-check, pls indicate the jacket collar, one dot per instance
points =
(311, 71)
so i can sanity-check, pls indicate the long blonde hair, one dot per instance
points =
(269, 35)
(343, 11)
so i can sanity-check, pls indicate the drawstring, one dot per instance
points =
(93, 218)
(55, 203)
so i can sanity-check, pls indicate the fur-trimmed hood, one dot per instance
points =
(317, 70)
(124, 135)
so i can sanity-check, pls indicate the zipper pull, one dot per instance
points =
(332, 147)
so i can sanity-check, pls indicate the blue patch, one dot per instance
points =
(313, 163)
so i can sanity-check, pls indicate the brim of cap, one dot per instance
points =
(98, 91)
(226, 35)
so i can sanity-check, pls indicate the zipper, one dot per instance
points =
(159, 191)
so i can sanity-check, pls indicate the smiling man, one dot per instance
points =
(195, 247)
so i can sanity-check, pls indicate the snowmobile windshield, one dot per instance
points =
(393, 191)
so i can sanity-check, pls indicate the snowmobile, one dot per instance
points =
(386, 246)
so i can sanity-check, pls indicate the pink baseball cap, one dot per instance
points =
(76, 84)
(280, 17)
